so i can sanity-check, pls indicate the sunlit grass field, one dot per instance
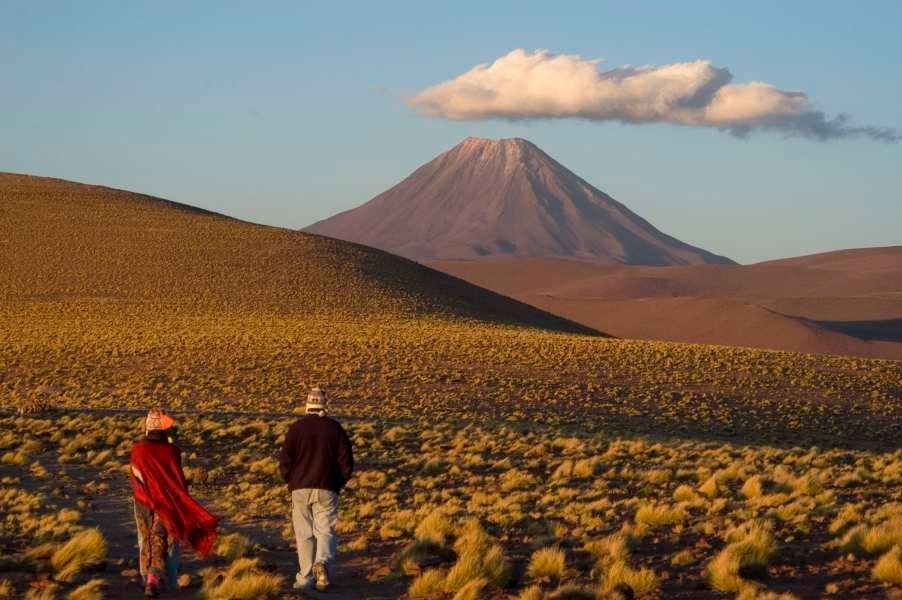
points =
(499, 508)
(502, 452)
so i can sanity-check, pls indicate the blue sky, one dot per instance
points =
(286, 113)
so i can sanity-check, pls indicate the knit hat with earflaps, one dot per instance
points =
(158, 420)
(317, 400)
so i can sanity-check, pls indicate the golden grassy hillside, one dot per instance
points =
(98, 249)
(109, 298)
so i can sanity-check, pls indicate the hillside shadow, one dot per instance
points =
(885, 330)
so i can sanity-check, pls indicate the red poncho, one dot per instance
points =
(164, 491)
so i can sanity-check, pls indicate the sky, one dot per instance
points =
(286, 113)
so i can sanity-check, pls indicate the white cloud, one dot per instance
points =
(543, 85)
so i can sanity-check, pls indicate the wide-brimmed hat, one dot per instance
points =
(158, 420)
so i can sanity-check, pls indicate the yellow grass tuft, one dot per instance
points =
(92, 590)
(660, 514)
(610, 549)
(232, 546)
(472, 590)
(428, 584)
(640, 580)
(436, 527)
(754, 548)
(533, 592)
(243, 580)
(42, 590)
(888, 568)
(85, 549)
(550, 563)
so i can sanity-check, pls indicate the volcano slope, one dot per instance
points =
(486, 431)
(502, 199)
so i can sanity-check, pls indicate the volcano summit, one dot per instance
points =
(506, 198)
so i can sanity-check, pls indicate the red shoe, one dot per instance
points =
(152, 587)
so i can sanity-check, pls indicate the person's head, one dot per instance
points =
(158, 420)
(317, 402)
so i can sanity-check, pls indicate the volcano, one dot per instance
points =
(506, 199)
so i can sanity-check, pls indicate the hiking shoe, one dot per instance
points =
(302, 584)
(322, 576)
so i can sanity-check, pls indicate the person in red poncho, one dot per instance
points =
(164, 511)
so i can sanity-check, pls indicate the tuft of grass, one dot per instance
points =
(243, 580)
(14, 458)
(888, 568)
(872, 541)
(753, 551)
(436, 527)
(533, 592)
(233, 546)
(85, 549)
(478, 557)
(572, 591)
(641, 581)
(608, 550)
(429, 583)
(92, 590)
(467, 568)
(42, 591)
(359, 543)
(550, 563)
(660, 514)
(472, 590)
(882, 537)
(710, 488)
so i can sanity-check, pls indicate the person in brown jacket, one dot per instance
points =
(316, 462)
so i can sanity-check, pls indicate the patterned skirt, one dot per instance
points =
(157, 552)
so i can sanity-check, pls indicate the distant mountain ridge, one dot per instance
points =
(845, 302)
(509, 199)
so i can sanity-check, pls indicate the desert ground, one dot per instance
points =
(502, 452)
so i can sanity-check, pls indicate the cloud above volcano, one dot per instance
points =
(535, 85)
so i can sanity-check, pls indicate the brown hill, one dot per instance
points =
(847, 303)
(491, 198)
(886, 259)
(72, 244)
